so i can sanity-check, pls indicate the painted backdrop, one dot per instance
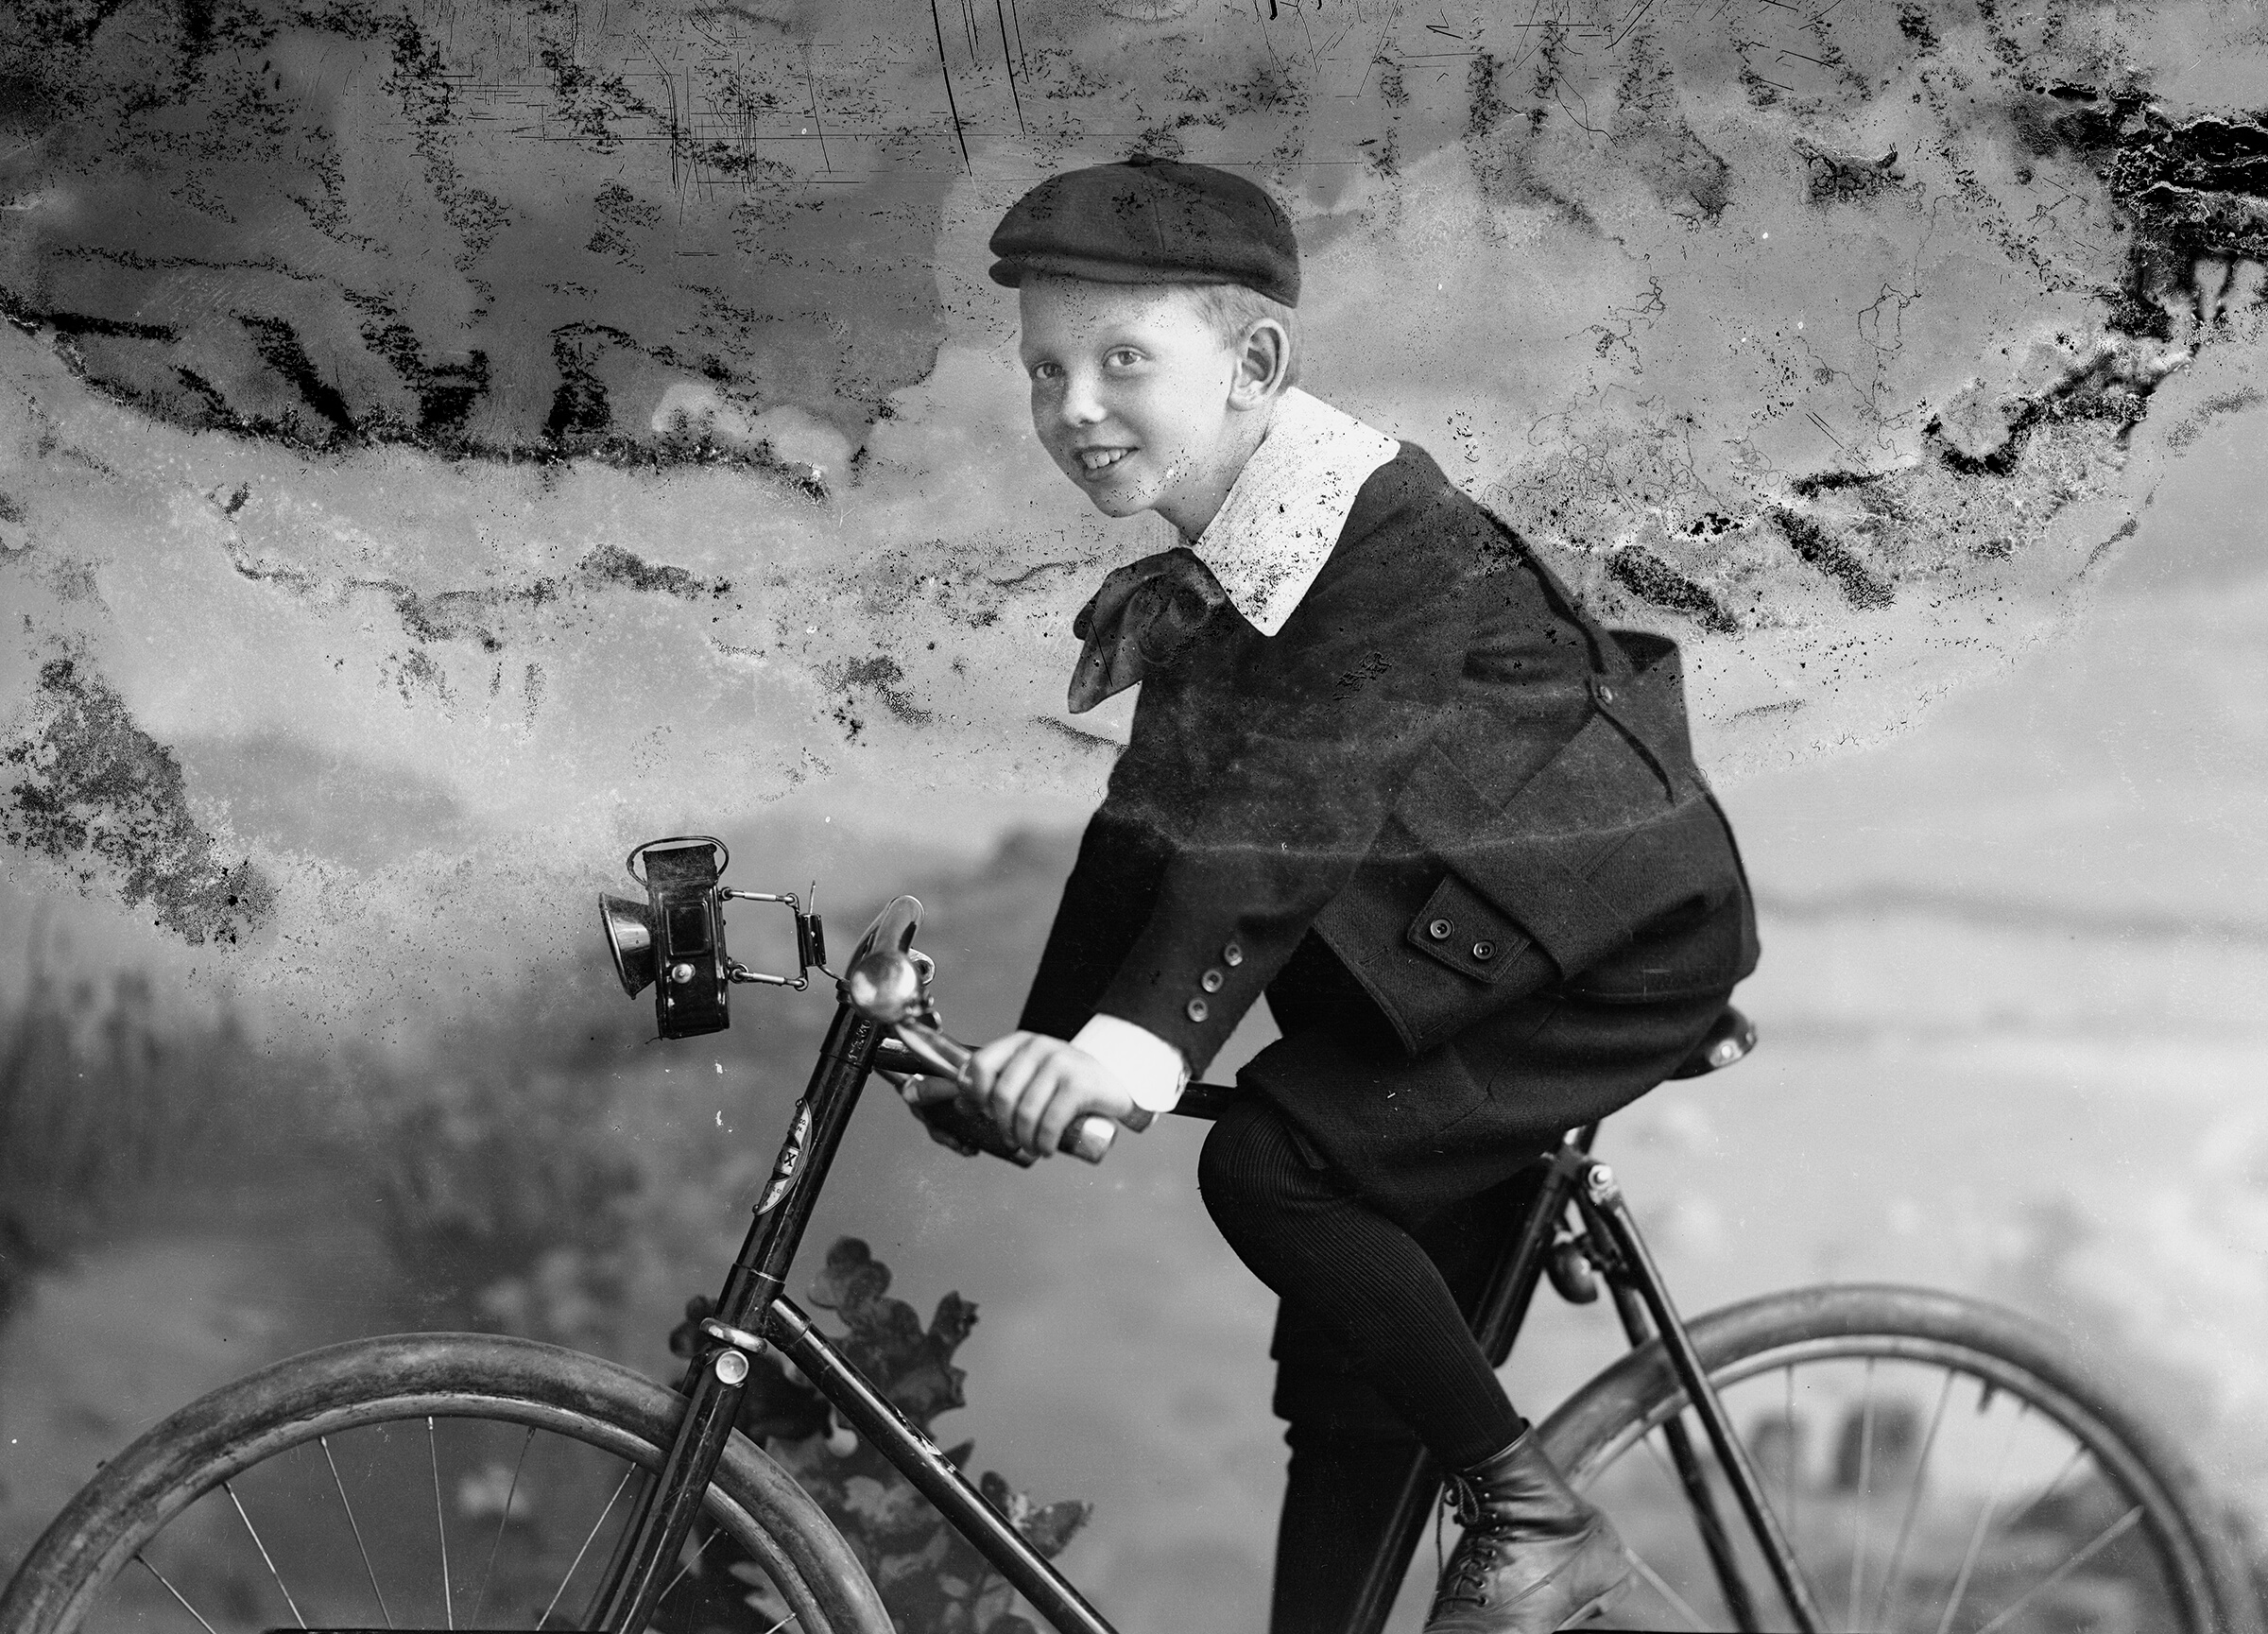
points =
(444, 443)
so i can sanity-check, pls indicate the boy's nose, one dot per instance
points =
(1081, 405)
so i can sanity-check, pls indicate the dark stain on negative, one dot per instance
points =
(94, 793)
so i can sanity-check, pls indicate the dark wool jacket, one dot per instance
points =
(1447, 822)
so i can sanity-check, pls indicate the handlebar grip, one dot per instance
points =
(1088, 1139)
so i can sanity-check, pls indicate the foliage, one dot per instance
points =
(536, 1169)
(540, 1171)
(929, 1577)
(103, 1104)
(500, 1179)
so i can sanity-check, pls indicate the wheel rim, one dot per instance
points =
(1927, 1488)
(420, 1511)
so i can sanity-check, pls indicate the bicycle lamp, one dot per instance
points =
(673, 941)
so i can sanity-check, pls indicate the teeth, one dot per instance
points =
(1099, 458)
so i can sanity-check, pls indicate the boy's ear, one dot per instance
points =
(1263, 363)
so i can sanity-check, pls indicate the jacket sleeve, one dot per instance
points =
(1307, 748)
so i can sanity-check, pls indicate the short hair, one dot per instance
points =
(1232, 308)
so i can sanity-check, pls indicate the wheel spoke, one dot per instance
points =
(2102, 1540)
(1981, 1519)
(231, 1490)
(1998, 1488)
(1677, 1483)
(1858, 1538)
(324, 1441)
(1669, 1595)
(177, 1595)
(1659, 1462)
(1791, 1480)
(1660, 1584)
(546, 1451)
(1905, 1526)
(2078, 1453)
(488, 1573)
(440, 1521)
(685, 1566)
(588, 1536)
(1992, 1499)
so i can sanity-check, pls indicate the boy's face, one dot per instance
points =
(1130, 396)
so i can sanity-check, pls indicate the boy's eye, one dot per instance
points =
(1046, 371)
(1121, 357)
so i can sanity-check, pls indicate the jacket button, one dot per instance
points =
(1210, 981)
(1233, 956)
(1605, 693)
(1483, 951)
(1198, 1009)
(1440, 930)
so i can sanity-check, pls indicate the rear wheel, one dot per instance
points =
(422, 1481)
(1940, 1467)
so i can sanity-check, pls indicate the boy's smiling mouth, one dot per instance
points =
(1094, 460)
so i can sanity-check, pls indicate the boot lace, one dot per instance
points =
(1465, 1498)
(1466, 1573)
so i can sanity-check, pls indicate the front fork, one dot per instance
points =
(645, 1558)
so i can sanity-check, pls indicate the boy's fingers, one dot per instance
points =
(1066, 1107)
(986, 1064)
(1045, 1087)
(1004, 1094)
(976, 1077)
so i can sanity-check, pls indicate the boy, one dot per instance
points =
(1383, 771)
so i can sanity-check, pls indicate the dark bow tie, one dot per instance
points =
(1144, 618)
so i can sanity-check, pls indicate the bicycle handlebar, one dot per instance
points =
(885, 987)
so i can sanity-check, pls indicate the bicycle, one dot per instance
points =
(1984, 1480)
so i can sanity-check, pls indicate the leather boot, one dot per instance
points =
(1535, 1557)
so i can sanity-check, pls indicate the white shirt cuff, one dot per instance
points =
(1152, 1070)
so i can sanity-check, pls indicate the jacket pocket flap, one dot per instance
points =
(1544, 888)
(1466, 932)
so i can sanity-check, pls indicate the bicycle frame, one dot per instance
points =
(1610, 1241)
(754, 1311)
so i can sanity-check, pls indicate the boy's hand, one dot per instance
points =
(1034, 1088)
(921, 1094)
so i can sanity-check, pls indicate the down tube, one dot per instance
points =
(918, 1459)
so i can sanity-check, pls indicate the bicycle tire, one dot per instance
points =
(591, 1411)
(2182, 1558)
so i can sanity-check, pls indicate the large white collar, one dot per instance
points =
(1276, 530)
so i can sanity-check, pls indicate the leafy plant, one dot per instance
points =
(105, 1104)
(930, 1580)
(503, 1182)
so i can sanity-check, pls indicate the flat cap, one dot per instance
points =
(1150, 221)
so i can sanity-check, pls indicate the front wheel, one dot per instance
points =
(422, 1481)
(1940, 1467)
